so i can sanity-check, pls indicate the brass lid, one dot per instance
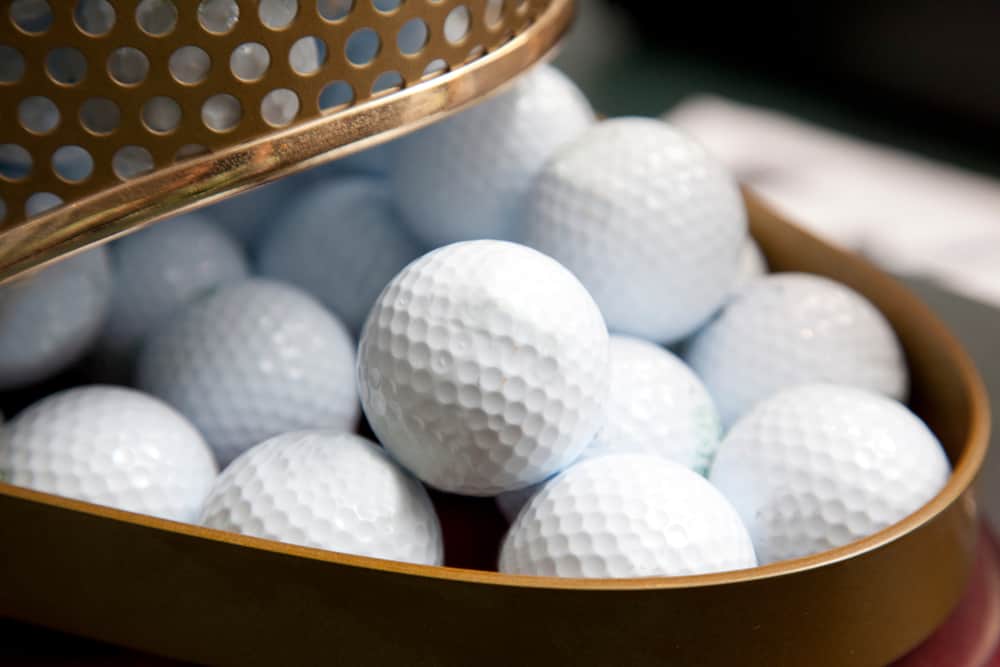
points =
(128, 111)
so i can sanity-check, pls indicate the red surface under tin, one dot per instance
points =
(971, 635)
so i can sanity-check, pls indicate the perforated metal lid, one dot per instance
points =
(115, 113)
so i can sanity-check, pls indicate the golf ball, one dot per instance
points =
(341, 242)
(467, 177)
(818, 466)
(49, 319)
(793, 328)
(157, 272)
(646, 219)
(110, 446)
(327, 490)
(483, 367)
(751, 266)
(251, 360)
(245, 216)
(627, 515)
(656, 405)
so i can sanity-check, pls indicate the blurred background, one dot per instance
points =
(875, 124)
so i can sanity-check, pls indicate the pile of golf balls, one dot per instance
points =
(495, 296)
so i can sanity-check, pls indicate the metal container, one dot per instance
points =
(208, 596)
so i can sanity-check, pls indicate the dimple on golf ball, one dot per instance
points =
(483, 367)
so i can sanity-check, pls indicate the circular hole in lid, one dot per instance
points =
(66, 65)
(100, 115)
(307, 55)
(94, 17)
(32, 16)
(412, 37)
(335, 95)
(493, 14)
(11, 64)
(218, 16)
(189, 65)
(40, 202)
(334, 10)
(249, 61)
(15, 162)
(221, 113)
(387, 81)
(128, 66)
(456, 25)
(279, 107)
(131, 161)
(363, 46)
(38, 114)
(161, 114)
(72, 163)
(277, 14)
(156, 17)
(435, 67)
(387, 6)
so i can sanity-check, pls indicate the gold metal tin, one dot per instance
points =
(502, 39)
(215, 597)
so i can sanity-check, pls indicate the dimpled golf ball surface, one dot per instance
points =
(342, 243)
(819, 466)
(656, 406)
(49, 319)
(649, 222)
(157, 272)
(793, 328)
(111, 446)
(627, 515)
(483, 367)
(252, 360)
(328, 490)
(467, 177)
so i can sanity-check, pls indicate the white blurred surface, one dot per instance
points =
(912, 215)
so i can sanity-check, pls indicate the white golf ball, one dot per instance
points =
(818, 466)
(328, 490)
(251, 360)
(646, 219)
(157, 272)
(341, 242)
(656, 405)
(245, 216)
(793, 328)
(110, 446)
(627, 515)
(483, 367)
(49, 319)
(467, 177)
(751, 266)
